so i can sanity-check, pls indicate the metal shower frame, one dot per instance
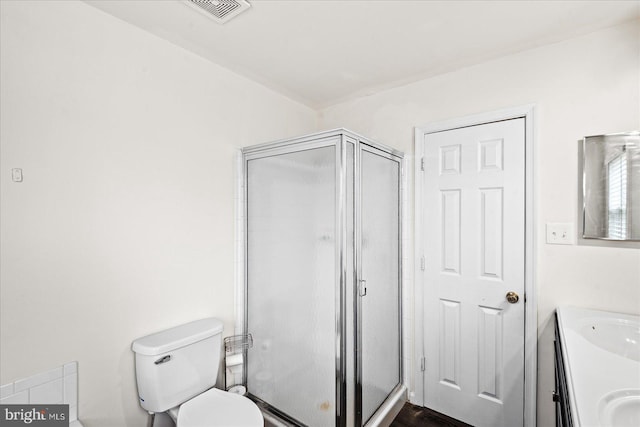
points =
(340, 138)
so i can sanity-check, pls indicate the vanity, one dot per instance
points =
(597, 361)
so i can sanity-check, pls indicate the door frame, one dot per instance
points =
(531, 304)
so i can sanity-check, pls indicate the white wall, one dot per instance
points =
(584, 86)
(124, 224)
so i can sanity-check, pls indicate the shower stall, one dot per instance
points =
(322, 295)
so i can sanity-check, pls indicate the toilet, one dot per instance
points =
(176, 371)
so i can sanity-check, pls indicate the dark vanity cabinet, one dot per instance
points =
(561, 394)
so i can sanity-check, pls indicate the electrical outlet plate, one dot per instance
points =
(560, 233)
(16, 175)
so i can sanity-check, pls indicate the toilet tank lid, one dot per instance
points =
(179, 336)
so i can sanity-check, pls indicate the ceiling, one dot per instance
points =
(321, 52)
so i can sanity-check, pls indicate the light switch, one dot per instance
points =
(560, 233)
(16, 175)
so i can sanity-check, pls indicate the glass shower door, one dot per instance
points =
(379, 288)
(291, 283)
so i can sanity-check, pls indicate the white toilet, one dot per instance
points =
(176, 370)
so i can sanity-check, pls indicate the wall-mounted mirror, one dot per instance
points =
(611, 186)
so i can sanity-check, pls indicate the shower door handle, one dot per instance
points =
(362, 288)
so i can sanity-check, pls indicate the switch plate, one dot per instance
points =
(560, 233)
(16, 175)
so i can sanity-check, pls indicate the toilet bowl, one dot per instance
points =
(176, 371)
(217, 408)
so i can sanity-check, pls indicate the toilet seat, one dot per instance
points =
(219, 408)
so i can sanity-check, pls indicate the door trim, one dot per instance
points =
(531, 304)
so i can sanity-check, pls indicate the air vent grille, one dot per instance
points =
(220, 10)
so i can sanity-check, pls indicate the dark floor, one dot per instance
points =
(413, 416)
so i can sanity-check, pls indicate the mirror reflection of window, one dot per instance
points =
(610, 187)
(617, 199)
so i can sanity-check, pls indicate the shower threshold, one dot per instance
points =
(383, 417)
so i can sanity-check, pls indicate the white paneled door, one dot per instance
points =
(474, 272)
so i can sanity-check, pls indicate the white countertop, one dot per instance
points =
(601, 359)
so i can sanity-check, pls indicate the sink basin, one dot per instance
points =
(601, 351)
(619, 336)
(620, 408)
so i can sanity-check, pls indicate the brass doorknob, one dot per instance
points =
(512, 297)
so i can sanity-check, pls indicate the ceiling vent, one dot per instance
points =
(219, 10)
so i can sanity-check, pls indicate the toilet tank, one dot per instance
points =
(174, 365)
